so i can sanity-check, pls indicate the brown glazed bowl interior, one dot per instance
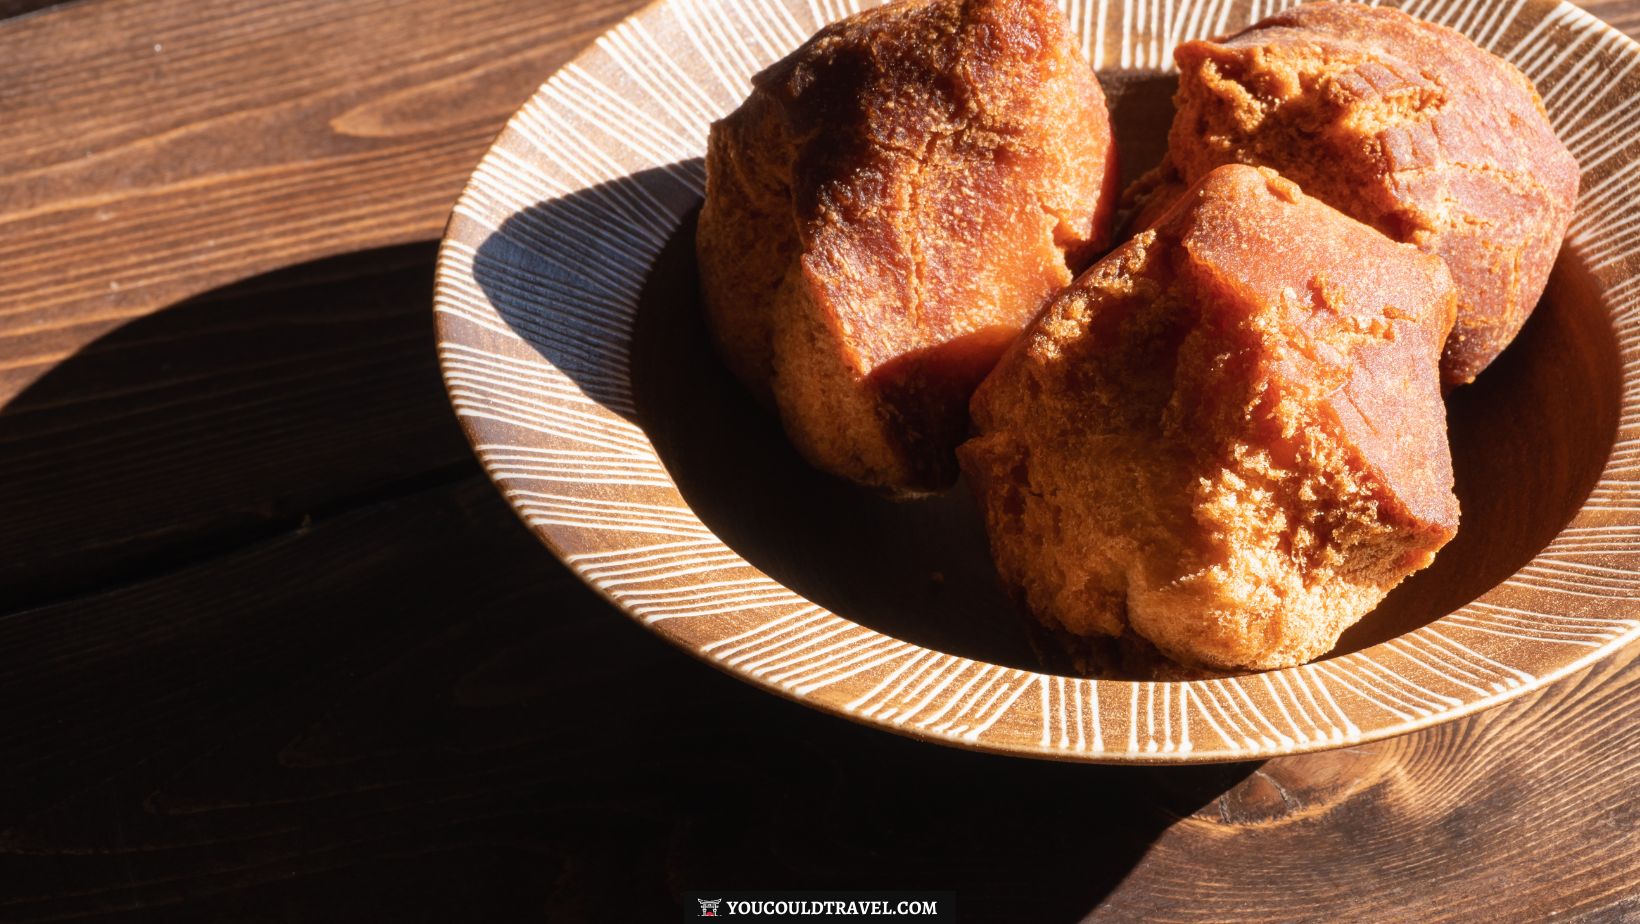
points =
(574, 350)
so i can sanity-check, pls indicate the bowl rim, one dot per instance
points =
(1258, 714)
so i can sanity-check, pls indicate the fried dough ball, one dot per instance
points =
(1399, 123)
(1228, 436)
(888, 209)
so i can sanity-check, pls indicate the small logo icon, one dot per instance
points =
(709, 906)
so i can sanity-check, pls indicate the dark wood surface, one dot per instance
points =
(271, 648)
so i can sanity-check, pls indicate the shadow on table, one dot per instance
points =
(274, 603)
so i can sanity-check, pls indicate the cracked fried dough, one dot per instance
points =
(1399, 123)
(888, 209)
(1231, 456)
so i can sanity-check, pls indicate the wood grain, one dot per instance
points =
(154, 151)
(1623, 14)
(157, 149)
(272, 649)
(221, 419)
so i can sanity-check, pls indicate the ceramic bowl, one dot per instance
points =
(573, 349)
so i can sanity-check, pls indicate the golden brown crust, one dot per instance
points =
(1232, 456)
(1405, 125)
(885, 212)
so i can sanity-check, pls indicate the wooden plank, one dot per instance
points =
(1523, 813)
(155, 149)
(306, 723)
(408, 711)
(221, 419)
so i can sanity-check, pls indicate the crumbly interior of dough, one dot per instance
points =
(1228, 436)
(1402, 124)
(888, 209)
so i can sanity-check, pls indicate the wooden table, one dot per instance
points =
(271, 648)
